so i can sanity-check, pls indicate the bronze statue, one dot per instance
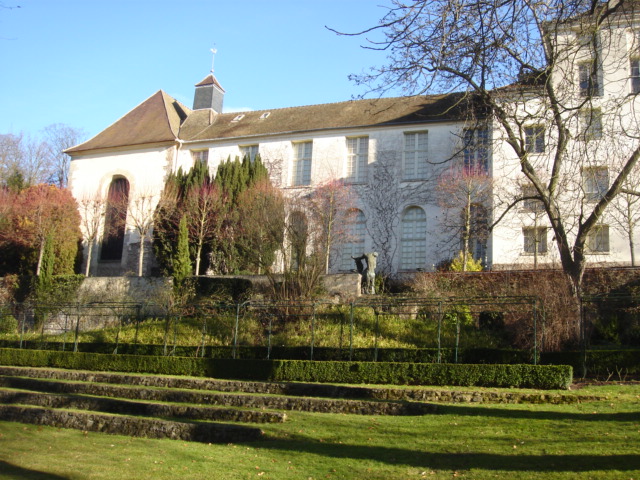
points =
(368, 273)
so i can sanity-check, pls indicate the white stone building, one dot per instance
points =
(394, 152)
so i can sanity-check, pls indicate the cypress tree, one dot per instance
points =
(181, 261)
(46, 267)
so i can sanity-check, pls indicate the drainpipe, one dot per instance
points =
(175, 158)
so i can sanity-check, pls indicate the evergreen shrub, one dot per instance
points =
(519, 376)
(8, 323)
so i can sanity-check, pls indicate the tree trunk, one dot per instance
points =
(466, 233)
(40, 255)
(630, 231)
(87, 269)
(198, 256)
(535, 241)
(141, 256)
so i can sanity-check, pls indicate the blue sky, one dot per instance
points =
(86, 63)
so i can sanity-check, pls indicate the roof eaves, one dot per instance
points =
(83, 151)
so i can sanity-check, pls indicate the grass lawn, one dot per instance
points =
(597, 440)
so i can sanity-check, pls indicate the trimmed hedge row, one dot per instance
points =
(599, 362)
(390, 373)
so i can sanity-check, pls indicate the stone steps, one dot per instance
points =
(130, 407)
(303, 389)
(172, 407)
(205, 397)
(207, 432)
(197, 409)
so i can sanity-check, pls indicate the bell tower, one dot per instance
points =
(209, 93)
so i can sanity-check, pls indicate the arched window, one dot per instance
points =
(413, 239)
(298, 236)
(115, 219)
(353, 245)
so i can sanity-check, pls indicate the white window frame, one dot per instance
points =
(415, 155)
(598, 240)
(302, 163)
(534, 139)
(589, 79)
(413, 239)
(357, 159)
(534, 238)
(591, 124)
(634, 75)
(251, 150)
(476, 149)
(531, 204)
(201, 155)
(354, 245)
(595, 182)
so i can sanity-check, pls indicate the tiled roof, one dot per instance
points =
(210, 80)
(156, 120)
(351, 114)
(163, 119)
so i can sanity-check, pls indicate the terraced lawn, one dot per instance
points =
(597, 439)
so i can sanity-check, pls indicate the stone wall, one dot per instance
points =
(125, 289)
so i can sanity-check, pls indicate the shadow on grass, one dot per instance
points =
(459, 461)
(538, 415)
(8, 470)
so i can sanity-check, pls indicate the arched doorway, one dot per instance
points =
(115, 219)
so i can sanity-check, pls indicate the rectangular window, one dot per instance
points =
(357, 159)
(634, 77)
(535, 240)
(529, 203)
(249, 150)
(595, 181)
(598, 239)
(415, 156)
(534, 139)
(589, 79)
(591, 124)
(301, 174)
(354, 245)
(200, 155)
(476, 150)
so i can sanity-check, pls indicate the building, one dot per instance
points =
(430, 173)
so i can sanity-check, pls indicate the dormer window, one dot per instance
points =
(237, 118)
(265, 115)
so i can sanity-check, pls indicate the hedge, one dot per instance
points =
(599, 362)
(389, 373)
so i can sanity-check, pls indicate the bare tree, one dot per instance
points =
(533, 68)
(385, 197)
(464, 194)
(625, 211)
(204, 207)
(92, 211)
(329, 205)
(140, 217)
(261, 232)
(23, 161)
(59, 137)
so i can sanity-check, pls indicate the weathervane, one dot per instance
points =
(213, 55)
